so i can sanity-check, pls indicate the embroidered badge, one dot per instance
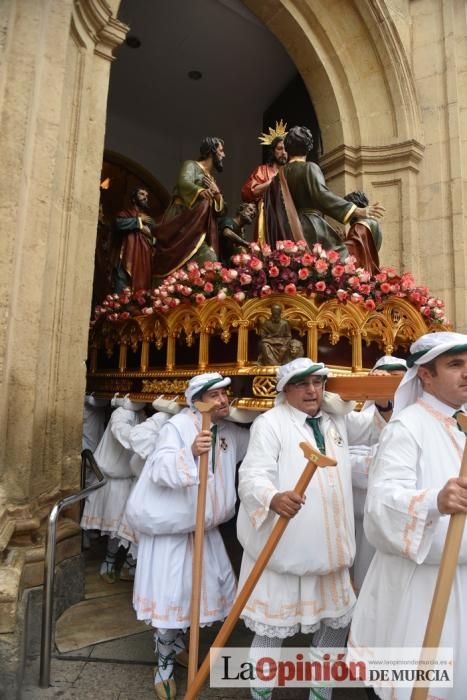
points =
(336, 438)
(223, 444)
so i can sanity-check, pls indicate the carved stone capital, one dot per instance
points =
(405, 155)
(96, 20)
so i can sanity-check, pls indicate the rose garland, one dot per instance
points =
(289, 269)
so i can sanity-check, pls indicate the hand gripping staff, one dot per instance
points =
(205, 409)
(315, 459)
(446, 573)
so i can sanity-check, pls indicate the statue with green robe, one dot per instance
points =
(298, 199)
(188, 230)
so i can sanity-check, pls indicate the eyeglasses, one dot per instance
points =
(315, 382)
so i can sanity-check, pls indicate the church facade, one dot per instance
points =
(388, 79)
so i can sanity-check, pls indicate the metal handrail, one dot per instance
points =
(49, 565)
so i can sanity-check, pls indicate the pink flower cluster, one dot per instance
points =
(120, 307)
(289, 269)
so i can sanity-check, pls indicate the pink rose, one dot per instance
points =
(199, 298)
(303, 273)
(349, 268)
(370, 304)
(355, 298)
(186, 291)
(280, 245)
(256, 264)
(290, 289)
(236, 259)
(341, 294)
(266, 290)
(426, 311)
(148, 310)
(173, 303)
(254, 247)
(239, 296)
(364, 276)
(337, 270)
(266, 249)
(284, 260)
(233, 274)
(317, 249)
(320, 286)
(385, 287)
(124, 315)
(381, 277)
(321, 266)
(221, 295)
(208, 287)
(245, 279)
(365, 288)
(333, 256)
(307, 259)
(208, 265)
(273, 271)
(415, 297)
(157, 303)
(354, 282)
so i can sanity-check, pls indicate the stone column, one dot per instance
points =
(55, 68)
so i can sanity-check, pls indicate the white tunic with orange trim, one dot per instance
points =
(307, 579)
(162, 590)
(419, 451)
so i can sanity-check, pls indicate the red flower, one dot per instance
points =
(244, 278)
(266, 290)
(333, 256)
(290, 289)
(385, 287)
(370, 304)
(303, 273)
(273, 271)
(320, 286)
(341, 294)
(124, 315)
(307, 259)
(199, 298)
(284, 260)
(208, 287)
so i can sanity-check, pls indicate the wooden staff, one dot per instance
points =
(446, 573)
(205, 409)
(315, 459)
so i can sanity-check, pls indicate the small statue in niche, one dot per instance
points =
(276, 345)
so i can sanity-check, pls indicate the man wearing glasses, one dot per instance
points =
(306, 586)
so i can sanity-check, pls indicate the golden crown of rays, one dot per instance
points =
(280, 130)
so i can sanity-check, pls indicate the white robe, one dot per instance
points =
(104, 508)
(419, 451)
(142, 440)
(307, 579)
(162, 590)
(361, 459)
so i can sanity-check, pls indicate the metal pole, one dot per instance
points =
(49, 567)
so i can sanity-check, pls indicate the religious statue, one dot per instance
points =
(232, 231)
(259, 180)
(364, 237)
(276, 345)
(135, 227)
(189, 226)
(298, 197)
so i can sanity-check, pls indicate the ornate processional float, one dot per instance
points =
(203, 317)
